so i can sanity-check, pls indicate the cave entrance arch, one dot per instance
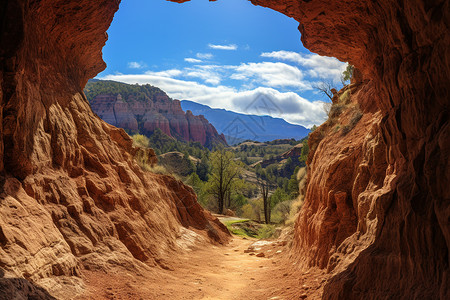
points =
(400, 47)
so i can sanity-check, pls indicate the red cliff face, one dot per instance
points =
(153, 111)
(72, 196)
(377, 206)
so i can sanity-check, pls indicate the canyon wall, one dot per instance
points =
(377, 205)
(71, 195)
(144, 108)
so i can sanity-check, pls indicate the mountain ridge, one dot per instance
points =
(238, 127)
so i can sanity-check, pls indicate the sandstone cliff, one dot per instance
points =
(377, 205)
(71, 195)
(144, 108)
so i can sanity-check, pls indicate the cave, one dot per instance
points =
(70, 188)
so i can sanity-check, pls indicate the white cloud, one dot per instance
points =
(204, 55)
(203, 83)
(206, 75)
(192, 60)
(136, 65)
(317, 66)
(292, 107)
(223, 47)
(166, 73)
(272, 74)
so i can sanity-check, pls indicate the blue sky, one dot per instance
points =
(223, 54)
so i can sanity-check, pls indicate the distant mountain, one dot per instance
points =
(143, 108)
(240, 127)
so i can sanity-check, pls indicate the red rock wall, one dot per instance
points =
(71, 195)
(163, 113)
(377, 206)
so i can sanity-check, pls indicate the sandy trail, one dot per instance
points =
(211, 272)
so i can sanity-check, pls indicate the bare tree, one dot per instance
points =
(266, 186)
(324, 88)
(327, 107)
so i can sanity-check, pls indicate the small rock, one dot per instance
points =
(303, 296)
(260, 254)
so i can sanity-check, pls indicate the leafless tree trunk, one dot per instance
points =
(324, 88)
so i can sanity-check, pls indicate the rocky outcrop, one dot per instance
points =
(71, 195)
(377, 207)
(293, 153)
(144, 108)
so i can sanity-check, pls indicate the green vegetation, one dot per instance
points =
(162, 143)
(251, 152)
(348, 73)
(253, 179)
(223, 180)
(251, 229)
(244, 231)
(141, 141)
(338, 108)
(139, 92)
(224, 174)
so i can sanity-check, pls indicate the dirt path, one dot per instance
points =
(212, 272)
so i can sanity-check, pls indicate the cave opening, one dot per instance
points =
(73, 201)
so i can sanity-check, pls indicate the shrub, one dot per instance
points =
(345, 97)
(158, 169)
(336, 110)
(268, 231)
(140, 140)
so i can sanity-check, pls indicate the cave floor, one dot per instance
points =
(213, 272)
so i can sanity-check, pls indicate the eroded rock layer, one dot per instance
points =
(71, 195)
(377, 205)
(142, 109)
